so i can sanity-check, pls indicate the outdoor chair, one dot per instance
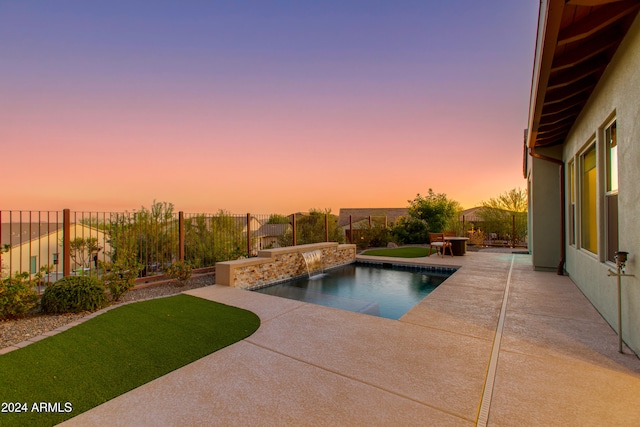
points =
(436, 240)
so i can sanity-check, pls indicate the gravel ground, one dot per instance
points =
(34, 324)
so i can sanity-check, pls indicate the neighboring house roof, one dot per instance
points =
(475, 214)
(272, 230)
(576, 41)
(358, 214)
(472, 214)
(16, 233)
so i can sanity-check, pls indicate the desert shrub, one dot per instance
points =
(73, 294)
(121, 275)
(476, 237)
(376, 236)
(17, 295)
(410, 230)
(179, 270)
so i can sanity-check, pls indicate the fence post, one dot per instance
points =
(181, 236)
(513, 230)
(66, 242)
(248, 235)
(350, 230)
(294, 228)
(2, 248)
(326, 227)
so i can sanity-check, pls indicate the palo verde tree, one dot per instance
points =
(506, 215)
(514, 200)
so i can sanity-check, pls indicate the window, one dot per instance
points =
(55, 259)
(588, 211)
(611, 190)
(572, 203)
(34, 265)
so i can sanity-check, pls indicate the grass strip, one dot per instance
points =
(113, 353)
(406, 252)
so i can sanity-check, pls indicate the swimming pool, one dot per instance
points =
(376, 289)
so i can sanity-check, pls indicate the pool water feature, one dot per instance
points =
(387, 291)
(313, 261)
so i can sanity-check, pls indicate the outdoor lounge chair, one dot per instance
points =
(436, 240)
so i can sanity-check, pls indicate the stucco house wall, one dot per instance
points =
(616, 97)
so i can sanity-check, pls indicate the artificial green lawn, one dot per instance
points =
(407, 252)
(116, 352)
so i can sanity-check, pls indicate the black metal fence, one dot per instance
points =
(504, 229)
(61, 243)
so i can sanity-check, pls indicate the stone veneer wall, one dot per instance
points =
(276, 265)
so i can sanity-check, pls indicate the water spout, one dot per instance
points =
(313, 261)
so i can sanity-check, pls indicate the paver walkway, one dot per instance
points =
(557, 362)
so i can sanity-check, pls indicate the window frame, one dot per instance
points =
(610, 194)
(571, 175)
(591, 148)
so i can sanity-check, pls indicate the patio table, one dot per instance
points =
(458, 244)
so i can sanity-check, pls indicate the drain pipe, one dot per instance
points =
(560, 163)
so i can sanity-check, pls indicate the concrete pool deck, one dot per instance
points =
(496, 344)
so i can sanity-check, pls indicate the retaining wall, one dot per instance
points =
(276, 265)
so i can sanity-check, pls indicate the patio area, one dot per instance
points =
(496, 344)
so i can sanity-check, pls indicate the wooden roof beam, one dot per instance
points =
(556, 117)
(545, 128)
(562, 106)
(556, 121)
(593, 66)
(595, 22)
(590, 3)
(567, 92)
(549, 138)
(598, 44)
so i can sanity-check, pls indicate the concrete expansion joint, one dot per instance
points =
(285, 312)
(448, 331)
(487, 393)
(349, 377)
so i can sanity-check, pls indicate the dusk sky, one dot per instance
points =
(261, 106)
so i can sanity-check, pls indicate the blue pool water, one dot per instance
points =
(388, 291)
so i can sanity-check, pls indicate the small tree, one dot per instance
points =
(514, 200)
(436, 210)
(278, 219)
(82, 249)
(122, 273)
(311, 229)
(506, 215)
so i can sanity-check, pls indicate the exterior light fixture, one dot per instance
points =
(621, 262)
(621, 259)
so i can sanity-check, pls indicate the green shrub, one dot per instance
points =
(410, 230)
(376, 236)
(73, 294)
(17, 295)
(121, 275)
(179, 270)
